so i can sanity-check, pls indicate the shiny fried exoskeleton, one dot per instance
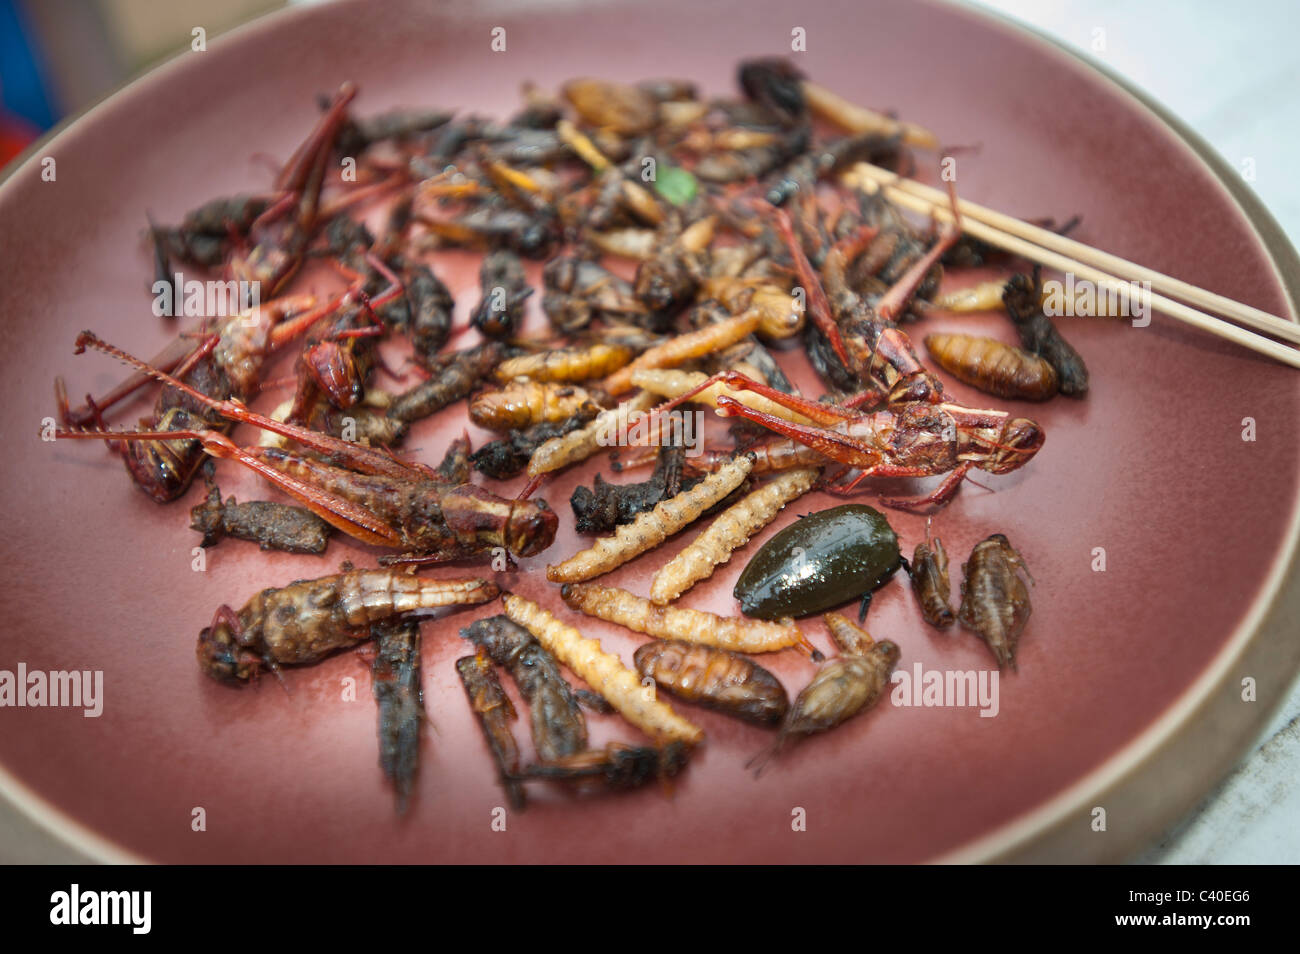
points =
(494, 711)
(994, 599)
(1039, 335)
(566, 364)
(714, 678)
(273, 526)
(307, 620)
(558, 726)
(993, 367)
(522, 403)
(842, 687)
(618, 765)
(929, 574)
(454, 376)
(505, 289)
(395, 684)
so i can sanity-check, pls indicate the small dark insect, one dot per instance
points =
(993, 367)
(505, 289)
(929, 574)
(994, 599)
(1037, 333)
(494, 711)
(454, 375)
(617, 766)
(507, 457)
(716, 678)
(578, 290)
(429, 304)
(558, 727)
(606, 506)
(395, 684)
(273, 526)
(774, 83)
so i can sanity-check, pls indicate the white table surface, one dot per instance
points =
(1231, 72)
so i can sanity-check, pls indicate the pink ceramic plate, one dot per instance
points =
(1129, 692)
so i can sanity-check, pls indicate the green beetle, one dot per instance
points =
(819, 562)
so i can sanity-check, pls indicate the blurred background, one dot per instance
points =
(1232, 77)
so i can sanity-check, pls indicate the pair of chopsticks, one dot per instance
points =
(1085, 262)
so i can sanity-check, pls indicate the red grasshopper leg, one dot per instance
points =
(816, 411)
(819, 307)
(833, 444)
(940, 497)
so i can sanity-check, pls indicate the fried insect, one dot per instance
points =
(714, 678)
(993, 367)
(307, 620)
(733, 633)
(454, 376)
(523, 403)
(507, 457)
(617, 766)
(566, 364)
(273, 526)
(650, 529)
(698, 387)
(1023, 298)
(494, 711)
(604, 672)
(929, 574)
(557, 724)
(395, 684)
(841, 688)
(731, 531)
(580, 444)
(994, 599)
(605, 506)
(505, 289)
(577, 291)
(693, 344)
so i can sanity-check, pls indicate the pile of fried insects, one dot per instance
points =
(749, 240)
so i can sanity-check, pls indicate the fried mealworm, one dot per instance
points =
(693, 344)
(604, 672)
(580, 444)
(735, 633)
(729, 532)
(650, 529)
(567, 364)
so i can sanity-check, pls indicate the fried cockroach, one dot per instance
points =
(841, 688)
(604, 672)
(993, 367)
(727, 533)
(558, 726)
(273, 526)
(994, 599)
(395, 684)
(929, 574)
(606, 506)
(505, 289)
(454, 376)
(566, 364)
(714, 678)
(650, 529)
(306, 621)
(673, 622)
(1023, 299)
(494, 711)
(507, 457)
(523, 403)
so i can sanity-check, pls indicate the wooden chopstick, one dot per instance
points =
(1164, 284)
(1011, 243)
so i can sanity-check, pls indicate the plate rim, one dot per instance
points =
(1128, 778)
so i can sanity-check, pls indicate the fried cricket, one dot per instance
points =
(994, 599)
(929, 574)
